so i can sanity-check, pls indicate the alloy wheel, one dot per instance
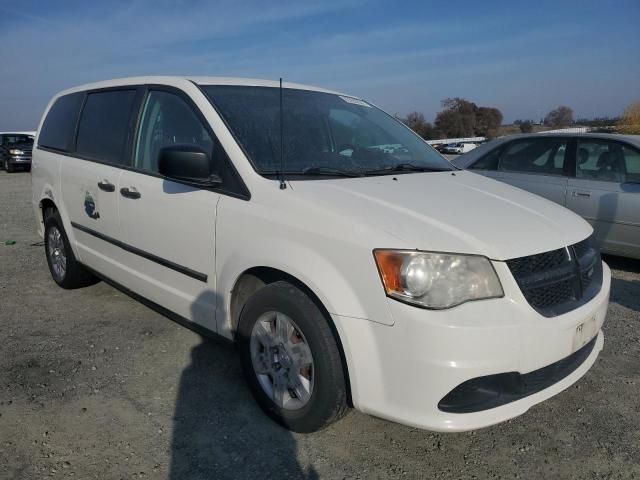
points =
(282, 360)
(56, 251)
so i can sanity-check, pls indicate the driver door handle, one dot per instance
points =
(106, 185)
(130, 192)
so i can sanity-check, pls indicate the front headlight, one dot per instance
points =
(436, 280)
(15, 151)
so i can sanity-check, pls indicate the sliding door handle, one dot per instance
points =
(107, 186)
(130, 192)
(581, 193)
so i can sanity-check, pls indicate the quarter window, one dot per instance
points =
(104, 126)
(544, 156)
(167, 120)
(59, 126)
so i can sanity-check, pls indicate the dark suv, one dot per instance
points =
(15, 151)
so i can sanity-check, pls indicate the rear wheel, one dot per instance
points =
(64, 268)
(291, 359)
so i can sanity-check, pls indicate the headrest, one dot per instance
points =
(583, 156)
(605, 160)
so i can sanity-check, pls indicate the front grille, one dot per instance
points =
(559, 281)
(545, 297)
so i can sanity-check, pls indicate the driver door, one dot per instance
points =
(169, 227)
(536, 165)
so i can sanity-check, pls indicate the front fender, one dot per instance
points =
(339, 270)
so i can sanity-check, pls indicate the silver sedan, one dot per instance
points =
(595, 175)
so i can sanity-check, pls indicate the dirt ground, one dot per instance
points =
(95, 385)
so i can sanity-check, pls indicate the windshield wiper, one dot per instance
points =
(328, 171)
(405, 167)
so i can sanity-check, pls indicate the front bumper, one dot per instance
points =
(402, 372)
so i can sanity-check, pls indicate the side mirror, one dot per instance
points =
(189, 164)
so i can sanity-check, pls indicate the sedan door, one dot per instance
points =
(606, 192)
(169, 227)
(537, 165)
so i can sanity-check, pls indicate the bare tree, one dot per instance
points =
(488, 121)
(559, 117)
(462, 118)
(458, 119)
(526, 126)
(416, 122)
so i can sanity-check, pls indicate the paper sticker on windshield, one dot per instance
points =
(355, 101)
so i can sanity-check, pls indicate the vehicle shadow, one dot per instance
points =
(219, 432)
(624, 292)
(630, 265)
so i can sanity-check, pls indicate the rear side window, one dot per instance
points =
(59, 127)
(104, 126)
(606, 161)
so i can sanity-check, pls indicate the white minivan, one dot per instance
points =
(351, 263)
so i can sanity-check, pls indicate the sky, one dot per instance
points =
(524, 58)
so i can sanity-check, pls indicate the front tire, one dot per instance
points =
(291, 359)
(8, 167)
(64, 268)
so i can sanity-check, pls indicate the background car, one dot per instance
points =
(595, 175)
(15, 150)
(458, 148)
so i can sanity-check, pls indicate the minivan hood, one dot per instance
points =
(459, 212)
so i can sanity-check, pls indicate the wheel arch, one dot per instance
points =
(46, 204)
(253, 279)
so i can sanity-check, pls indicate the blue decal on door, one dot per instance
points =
(90, 206)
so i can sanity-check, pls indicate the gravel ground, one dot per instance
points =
(95, 385)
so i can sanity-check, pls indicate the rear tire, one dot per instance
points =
(303, 360)
(64, 268)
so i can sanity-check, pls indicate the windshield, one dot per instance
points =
(323, 133)
(15, 139)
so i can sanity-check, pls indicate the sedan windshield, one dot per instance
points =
(16, 139)
(323, 134)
